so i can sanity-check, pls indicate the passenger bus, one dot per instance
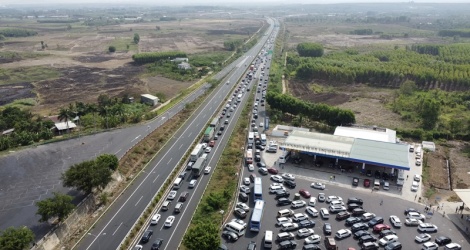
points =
(256, 216)
(258, 189)
(249, 156)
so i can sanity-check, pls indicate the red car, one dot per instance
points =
(366, 183)
(273, 171)
(379, 227)
(304, 193)
(211, 143)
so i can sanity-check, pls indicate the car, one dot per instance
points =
(388, 239)
(386, 185)
(336, 203)
(282, 220)
(169, 221)
(342, 215)
(298, 203)
(251, 246)
(260, 147)
(289, 183)
(212, 143)
(331, 198)
(367, 216)
(370, 245)
(208, 150)
(183, 175)
(286, 227)
(231, 236)
(452, 246)
(240, 213)
(287, 176)
(360, 233)
(251, 168)
(369, 173)
(337, 208)
(410, 210)
(207, 170)
(299, 217)
(380, 227)
(245, 189)
(305, 193)
(273, 171)
(246, 181)
(366, 183)
(277, 178)
(393, 246)
(414, 186)
(171, 195)
(313, 239)
(420, 238)
(257, 158)
(312, 211)
(216, 137)
(321, 197)
(283, 201)
(261, 165)
(416, 215)
(304, 232)
(288, 244)
(430, 246)
(442, 240)
(417, 177)
(155, 219)
(427, 227)
(366, 238)
(358, 211)
(242, 206)
(157, 244)
(395, 221)
(240, 222)
(355, 200)
(146, 236)
(327, 229)
(281, 194)
(138, 247)
(263, 171)
(355, 181)
(413, 222)
(307, 224)
(359, 226)
(375, 221)
(313, 201)
(309, 246)
(353, 206)
(352, 220)
(318, 185)
(343, 233)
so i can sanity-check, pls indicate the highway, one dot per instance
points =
(113, 227)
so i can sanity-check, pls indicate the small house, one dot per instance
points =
(149, 99)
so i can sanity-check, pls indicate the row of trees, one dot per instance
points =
(455, 32)
(151, 57)
(310, 49)
(362, 32)
(458, 53)
(315, 111)
(17, 33)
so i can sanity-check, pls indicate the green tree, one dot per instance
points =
(136, 38)
(107, 161)
(59, 206)
(310, 49)
(429, 110)
(87, 175)
(65, 115)
(203, 236)
(112, 49)
(408, 87)
(16, 238)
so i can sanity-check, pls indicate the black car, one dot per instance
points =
(146, 237)
(231, 236)
(386, 232)
(360, 234)
(369, 173)
(307, 224)
(327, 229)
(358, 212)
(257, 158)
(288, 244)
(260, 147)
(367, 238)
(183, 175)
(353, 206)
(311, 247)
(243, 197)
(359, 226)
(342, 215)
(355, 200)
(290, 184)
(251, 245)
(443, 240)
(352, 220)
(377, 174)
(281, 194)
(157, 244)
(355, 182)
(250, 146)
(261, 164)
(375, 221)
(283, 202)
(410, 209)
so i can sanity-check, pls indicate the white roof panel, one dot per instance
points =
(368, 133)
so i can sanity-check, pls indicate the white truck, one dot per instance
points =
(197, 151)
(401, 177)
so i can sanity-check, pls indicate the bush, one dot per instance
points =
(112, 49)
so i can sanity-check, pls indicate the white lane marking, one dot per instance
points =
(155, 179)
(190, 134)
(169, 161)
(181, 146)
(139, 200)
(118, 151)
(135, 138)
(117, 228)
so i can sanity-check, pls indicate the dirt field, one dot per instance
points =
(88, 70)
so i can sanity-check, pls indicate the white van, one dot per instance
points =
(192, 183)
(236, 228)
(401, 177)
(177, 183)
(284, 157)
(313, 201)
(268, 239)
(166, 205)
(377, 184)
(285, 213)
(324, 213)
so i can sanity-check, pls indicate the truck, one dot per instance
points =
(197, 151)
(208, 134)
(401, 177)
(198, 166)
(215, 122)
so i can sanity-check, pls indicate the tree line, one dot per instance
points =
(454, 32)
(232, 45)
(310, 49)
(332, 116)
(362, 32)
(17, 33)
(151, 57)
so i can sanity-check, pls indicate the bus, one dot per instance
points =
(214, 122)
(258, 189)
(197, 151)
(251, 137)
(263, 139)
(249, 156)
(198, 166)
(256, 216)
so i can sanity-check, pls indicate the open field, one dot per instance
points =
(76, 65)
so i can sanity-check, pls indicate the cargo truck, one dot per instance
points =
(197, 151)
(198, 166)
(208, 134)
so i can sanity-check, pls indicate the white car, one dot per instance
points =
(282, 220)
(155, 219)
(313, 239)
(246, 181)
(388, 239)
(287, 176)
(417, 177)
(422, 238)
(245, 190)
(171, 195)
(427, 227)
(169, 221)
(240, 222)
(298, 203)
(304, 232)
(251, 168)
(207, 170)
(416, 215)
(386, 185)
(204, 145)
(242, 206)
(289, 227)
(395, 221)
(333, 197)
(336, 203)
(318, 185)
(312, 211)
(414, 186)
(275, 185)
(208, 150)
(343, 233)
(277, 178)
(430, 246)
(299, 217)
(413, 222)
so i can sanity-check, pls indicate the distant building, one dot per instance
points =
(62, 127)
(149, 99)
(184, 65)
(284, 131)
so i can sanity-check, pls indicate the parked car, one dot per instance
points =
(366, 183)
(386, 232)
(327, 229)
(342, 215)
(355, 182)
(442, 240)
(360, 233)
(376, 220)
(343, 233)
(298, 203)
(307, 224)
(430, 246)
(318, 185)
(240, 213)
(304, 232)
(352, 220)
(395, 221)
(313, 239)
(380, 227)
(243, 206)
(231, 236)
(304, 193)
(290, 184)
(321, 197)
(287, 176)
(427, 227)
(422, 238)
(273, 171)
(312, 211)
(355, 200)
(283, 202)
(452, 246)
(413, 222)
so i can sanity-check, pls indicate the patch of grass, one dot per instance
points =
(27, 74)
(430, 192)
(13, 55)
(123, 44)
(22, 103)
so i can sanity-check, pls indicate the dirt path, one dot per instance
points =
(283, 85)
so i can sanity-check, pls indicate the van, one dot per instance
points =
(313, 201)
(377, 184)
(166, 205)
(284, 157)
(285, 213)
(324, 213)
(236, 228)
(268, 239)
(192, 183)
(178, 207)
(177, 183)
(401, 177)
(183, 197)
